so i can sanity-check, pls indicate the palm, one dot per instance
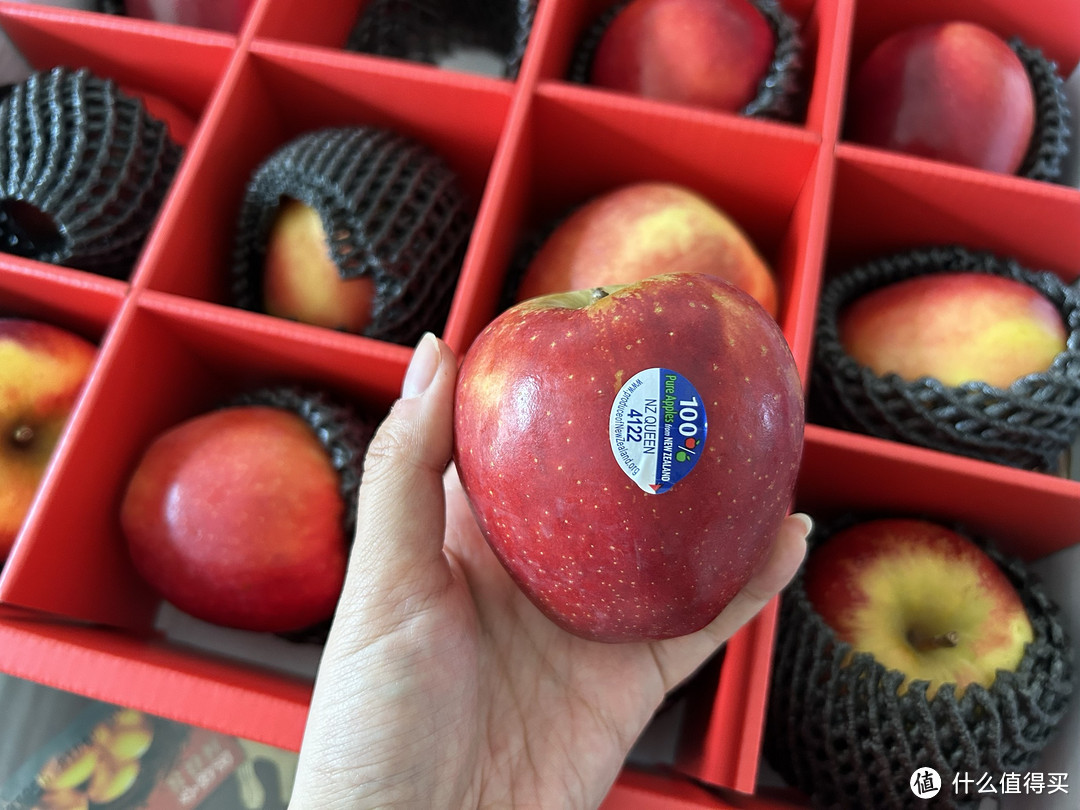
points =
(592, 699)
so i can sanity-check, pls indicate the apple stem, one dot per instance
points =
(598, 293)
(22, 436)
(924, 643)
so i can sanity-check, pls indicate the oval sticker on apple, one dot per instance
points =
(657, 428)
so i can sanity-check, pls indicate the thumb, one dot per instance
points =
(401, 504)
(359, 720)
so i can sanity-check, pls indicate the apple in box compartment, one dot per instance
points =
(279, 98)
(643, 229)
(1003, 384)
(243, 515)
(958, 92)
(735, 56)
(906, 643)
(201, 362)
(358, 228)
(580, 178)
(119, 91)
(50, 328)
(977, 85)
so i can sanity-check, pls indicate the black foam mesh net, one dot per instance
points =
(83, 171)
(344, 432)
(1050, 145)
(429, 31)
(780, 94)
(393, 211)
(117, 7)
(1028, 425)
(837, 729)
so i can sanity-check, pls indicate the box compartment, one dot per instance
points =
(169, 360)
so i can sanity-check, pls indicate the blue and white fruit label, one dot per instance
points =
(657, 428)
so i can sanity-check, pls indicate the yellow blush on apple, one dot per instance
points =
(922, 599)
(955, 327)
(42, 370)
(645, 229)
(302, 282)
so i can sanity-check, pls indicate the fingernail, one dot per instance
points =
(422, 367)
(806, 521)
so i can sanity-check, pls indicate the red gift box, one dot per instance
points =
(76, 616)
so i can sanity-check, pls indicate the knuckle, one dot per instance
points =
(393, 443)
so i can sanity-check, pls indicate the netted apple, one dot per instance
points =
(955, 327)
(952, 91)
(710, 53)
(922, 599)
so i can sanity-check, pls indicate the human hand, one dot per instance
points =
(441, 684)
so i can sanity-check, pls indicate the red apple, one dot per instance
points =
(922, 599)
(630, 452)
(42, 371)
(709, 53)
(955, 327)
(300, 279)
(950, 91)
(643, 229)
(235, 517)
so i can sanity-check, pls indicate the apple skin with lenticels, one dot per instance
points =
(630, 452)
(956, 327)
(952, 91)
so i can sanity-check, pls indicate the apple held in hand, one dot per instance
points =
(630, 452)
(42, 370)
(301, 280)
(235, 517)
(709, 53)
(951, 91)
(955, 327)
(922, 599)
(644, 229)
